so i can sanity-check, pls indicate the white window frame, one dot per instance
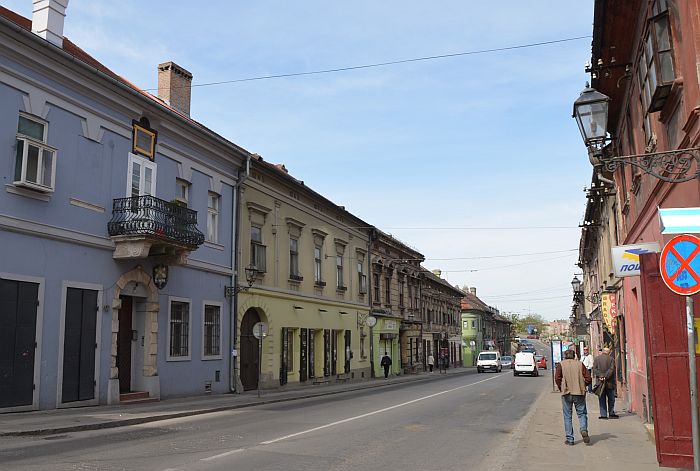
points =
(213, 212)
(187, 357)
(182, 186)
(221, 329)
(144, 162)
(42, 147)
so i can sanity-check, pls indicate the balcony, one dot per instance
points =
(146, 226)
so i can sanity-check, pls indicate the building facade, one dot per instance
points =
(441, 314)
(311, 260)
(645, 60)
(396, 282)
(116, 227)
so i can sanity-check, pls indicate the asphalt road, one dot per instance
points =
(453, 422)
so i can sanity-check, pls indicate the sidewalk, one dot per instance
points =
(54, 421)
(620, 444)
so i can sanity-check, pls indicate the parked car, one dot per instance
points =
(507, 362)
(528, 348)
(525, 364)
(489, 361)
(541, 361)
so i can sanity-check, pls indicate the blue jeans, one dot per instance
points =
(608, 397)
(567, 401)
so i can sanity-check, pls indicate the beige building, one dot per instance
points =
(309, 284)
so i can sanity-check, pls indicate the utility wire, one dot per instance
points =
(504, 266)
(385, 64)
(505, 256)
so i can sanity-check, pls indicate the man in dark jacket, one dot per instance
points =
(572, 377)
(604, 370)
(386, 363)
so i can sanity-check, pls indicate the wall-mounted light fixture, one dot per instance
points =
(298, 307)
(251, 273)
(591, 114)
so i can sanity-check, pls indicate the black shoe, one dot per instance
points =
(586, 438)
(602, 417)
(614, 416)
(567, 442)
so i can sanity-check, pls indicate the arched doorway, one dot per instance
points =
(250, 352)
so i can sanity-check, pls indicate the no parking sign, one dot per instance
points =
(680, 264)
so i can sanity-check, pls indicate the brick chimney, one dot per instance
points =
(47, 19)
(472, 290)
(175, 86)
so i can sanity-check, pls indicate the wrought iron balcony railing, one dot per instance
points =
(153, 217)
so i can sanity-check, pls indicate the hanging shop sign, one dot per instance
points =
(608, 307)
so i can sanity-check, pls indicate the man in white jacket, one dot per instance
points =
(587, 360)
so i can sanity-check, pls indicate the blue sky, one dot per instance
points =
(447, 155)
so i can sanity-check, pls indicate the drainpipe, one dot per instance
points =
(369, 300)
(233, 300)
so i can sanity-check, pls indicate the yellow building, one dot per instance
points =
(309, 262)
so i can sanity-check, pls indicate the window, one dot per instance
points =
(656, 73)
(318, 278)
(35, 162)
(465, 324)
(362, 277)
(473, 324)
(401, 291)
(179, 324)
(213, 217)
(377, 289)
(339, 272)
(212, 331)
(387, 291)
(141, 177)
(182, 191)
(294, 260)
(144, 139)
(257, 249)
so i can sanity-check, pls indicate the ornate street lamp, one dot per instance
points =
(591, 114)
(576, 284)
(251, 273)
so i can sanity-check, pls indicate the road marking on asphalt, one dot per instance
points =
(223, 454)
(379, 411)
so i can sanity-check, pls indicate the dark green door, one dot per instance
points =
(18, 309)
(79, 345)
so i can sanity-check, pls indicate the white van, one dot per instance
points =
(525, 364)
(488, 361)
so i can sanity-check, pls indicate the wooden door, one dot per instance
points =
(18, 310)
(250, 351)
(124, 344)
(79, 344)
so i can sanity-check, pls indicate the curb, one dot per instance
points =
(209, 410)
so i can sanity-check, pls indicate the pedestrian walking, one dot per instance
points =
(587, 360)
(431, 362)
(386, 363)
(604, 371)
(572, 377)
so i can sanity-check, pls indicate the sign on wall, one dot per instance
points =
(626, 257)
(608, 306)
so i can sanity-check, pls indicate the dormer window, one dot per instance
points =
(144, 139)
(35, 162)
